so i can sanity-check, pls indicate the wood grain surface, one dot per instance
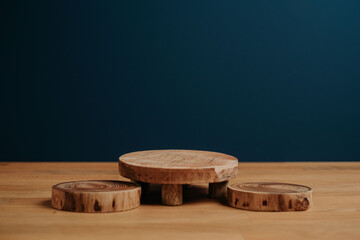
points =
(96, 196)
(26, 212)
(269, 196)
(178, 166)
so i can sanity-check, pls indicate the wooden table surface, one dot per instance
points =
(25, 192)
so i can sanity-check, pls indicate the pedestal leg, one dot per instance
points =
(171, 194)
(218, 190)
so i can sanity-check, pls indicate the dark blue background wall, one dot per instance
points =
(261, 80)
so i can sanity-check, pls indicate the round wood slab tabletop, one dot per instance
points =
(178, 166)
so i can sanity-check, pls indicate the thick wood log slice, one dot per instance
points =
(269, 196)
(178, 166)
(96, 196)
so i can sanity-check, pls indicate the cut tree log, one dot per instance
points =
(96, 196)
(269, 196)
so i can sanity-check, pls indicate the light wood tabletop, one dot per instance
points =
(26, 213)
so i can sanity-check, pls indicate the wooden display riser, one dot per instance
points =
(174, 168)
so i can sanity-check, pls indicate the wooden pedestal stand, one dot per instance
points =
(173, 168)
